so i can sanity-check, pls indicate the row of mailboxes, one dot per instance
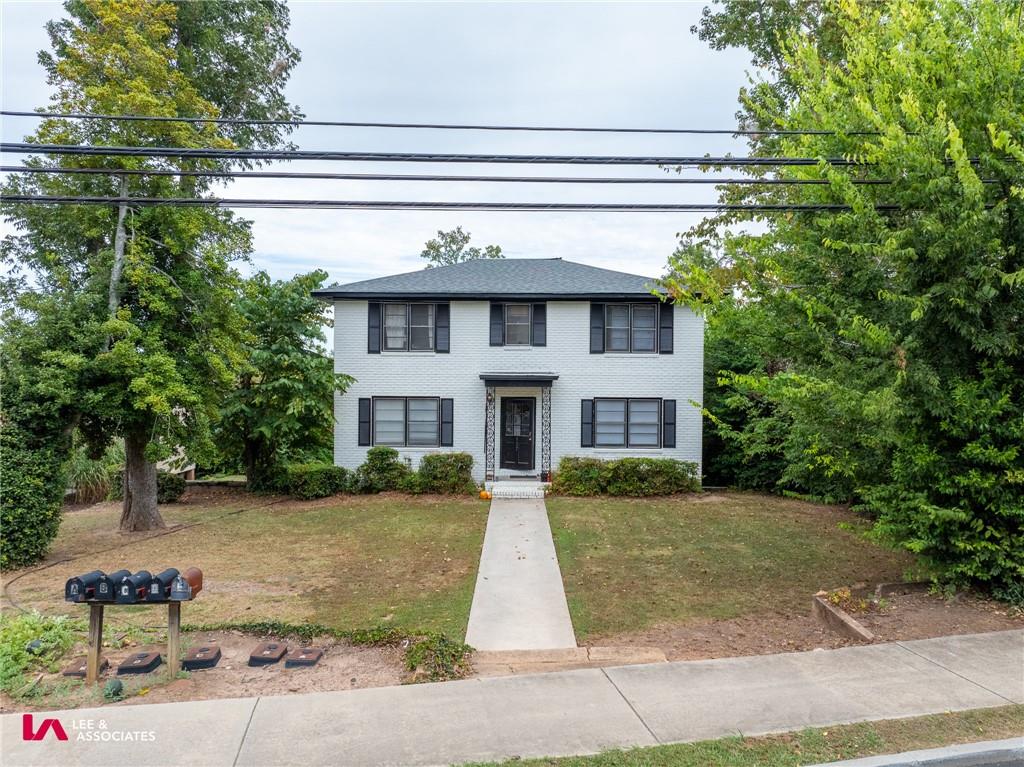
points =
(126, 587)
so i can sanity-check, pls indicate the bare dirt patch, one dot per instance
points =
(909, 616)
(343, 667)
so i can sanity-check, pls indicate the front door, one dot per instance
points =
(517, 433)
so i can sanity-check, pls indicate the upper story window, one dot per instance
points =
(631, 327)
(517, 324)
(640, 328)
(408, 327)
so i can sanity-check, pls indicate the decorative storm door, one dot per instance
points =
(517, 423)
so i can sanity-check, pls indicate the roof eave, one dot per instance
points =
(328, 294)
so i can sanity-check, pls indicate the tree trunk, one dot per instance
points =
(114, 289)
(139, 511)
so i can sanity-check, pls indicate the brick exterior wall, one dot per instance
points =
(582, 375)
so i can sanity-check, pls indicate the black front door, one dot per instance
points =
(517, 433)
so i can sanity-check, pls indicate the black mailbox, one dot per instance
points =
(106, 587)
(133, 587)
(82, 587)
(159, 586)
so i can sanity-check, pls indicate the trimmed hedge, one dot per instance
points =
(450, 473)
(635, 477)
(31, 502)
(383, 470)
(316, 480)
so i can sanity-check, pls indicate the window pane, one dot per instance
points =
(616, 334)
(610, 422)
(644, 421)
(517, 324)
(617, 339)
(643, 340)
(517, 335)
(618, 316)
(644, 321)
(389, 422)
(423, 421)
(394, 326)
(644, 316)
(421, 327)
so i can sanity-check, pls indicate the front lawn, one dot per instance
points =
(348, 562)
(629, 564)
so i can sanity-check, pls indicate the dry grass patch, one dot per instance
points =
(346, 562)
(629, 564)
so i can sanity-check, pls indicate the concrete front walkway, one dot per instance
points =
(565, 713)
(519, 602)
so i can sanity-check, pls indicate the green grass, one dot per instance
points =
(629, 564)
(348, 562)
(814, 745)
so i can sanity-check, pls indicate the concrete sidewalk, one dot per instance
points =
(573, 712)
(519, 601)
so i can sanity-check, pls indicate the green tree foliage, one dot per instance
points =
(282, 406)
(155, 337)
(450, 248)
(903, 382)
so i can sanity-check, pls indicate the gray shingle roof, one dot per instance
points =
(490, 278)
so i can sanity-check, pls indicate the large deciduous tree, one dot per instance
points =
(159, 337)
(451, 248)
(282, 408)
(903, 382)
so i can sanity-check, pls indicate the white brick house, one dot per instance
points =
(518, 362)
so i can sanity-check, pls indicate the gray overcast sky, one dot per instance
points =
(612, 64)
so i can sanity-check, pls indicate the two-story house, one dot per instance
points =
(518, 362)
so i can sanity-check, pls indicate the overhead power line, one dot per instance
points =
(716, 181)
(216, 202)
(433, 126)
(316, 154)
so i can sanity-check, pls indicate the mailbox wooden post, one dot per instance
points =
(92, 668)
(174, 637)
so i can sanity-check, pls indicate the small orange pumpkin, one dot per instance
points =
(484, 495)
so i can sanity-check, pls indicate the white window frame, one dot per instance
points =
(629, 328)
(407, 347)
(626, 444)
(529, 325)
(405, 422)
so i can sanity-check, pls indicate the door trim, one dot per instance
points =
(533, 434)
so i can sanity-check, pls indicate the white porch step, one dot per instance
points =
(517, 489)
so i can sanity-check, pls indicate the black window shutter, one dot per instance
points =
(587, 423)
(497, 324)
(447, 422)
(364, 420)
(373, 328)
(596, 328)
(539, 325)
(665, 326)
(442, 328)
(668, 423)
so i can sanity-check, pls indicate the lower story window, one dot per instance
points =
(407, 421)
(627, 422)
